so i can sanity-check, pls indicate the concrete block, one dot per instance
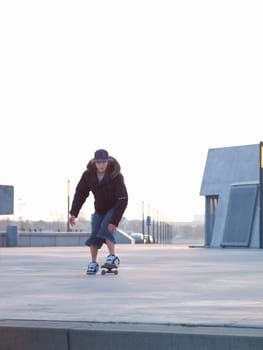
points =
(19, 338)
(11, 236)
(38, 335)
(24, 240)
(2, 239)
(56, 239)
(67, 240)
(43, 240)
(130, 340)
(82, 240)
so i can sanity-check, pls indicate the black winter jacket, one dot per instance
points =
(109, 193)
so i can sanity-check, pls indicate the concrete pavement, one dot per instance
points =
(157, 285)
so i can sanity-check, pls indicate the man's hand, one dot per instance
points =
(112, 227)
(72, 220)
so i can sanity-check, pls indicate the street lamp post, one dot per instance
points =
(143, 218)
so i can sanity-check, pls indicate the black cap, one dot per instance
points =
(101, 155)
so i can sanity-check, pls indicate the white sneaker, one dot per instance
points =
(112, 260)
(93, 268)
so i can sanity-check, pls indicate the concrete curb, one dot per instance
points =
(38, 335)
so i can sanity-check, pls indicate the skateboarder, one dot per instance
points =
(104, 179)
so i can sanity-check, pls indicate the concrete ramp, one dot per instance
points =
(123, 237)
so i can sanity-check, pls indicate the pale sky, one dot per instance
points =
(156, 83)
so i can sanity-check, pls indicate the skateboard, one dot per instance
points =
(108, 268)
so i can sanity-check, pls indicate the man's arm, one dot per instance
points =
(80, 196)
(121, 203)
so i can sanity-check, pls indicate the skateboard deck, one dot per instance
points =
(108, 268)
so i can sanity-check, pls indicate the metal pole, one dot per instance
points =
(148, 224)
(161, 228)
(157, 227)
(153, 227)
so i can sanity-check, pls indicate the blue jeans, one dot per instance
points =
(99, 229)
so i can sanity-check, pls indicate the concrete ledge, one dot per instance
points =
(47, 239)
(38, 335)
(59, 239)
(26, 338)
(2, 239)
(52, 239)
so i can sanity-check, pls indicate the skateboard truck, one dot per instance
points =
(109, 269)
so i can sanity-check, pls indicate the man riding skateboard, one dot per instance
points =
(104, 179)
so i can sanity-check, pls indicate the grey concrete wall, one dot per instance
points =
(85, 336)
(11, 236)
(59, 239)
(228, 165)
(49, 239)
(2, 239)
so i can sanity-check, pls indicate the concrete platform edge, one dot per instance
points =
(36, 334)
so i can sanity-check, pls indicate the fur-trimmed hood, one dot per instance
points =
(113, 168)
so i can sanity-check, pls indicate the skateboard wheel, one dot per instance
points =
(103, 272)
(116, 272)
